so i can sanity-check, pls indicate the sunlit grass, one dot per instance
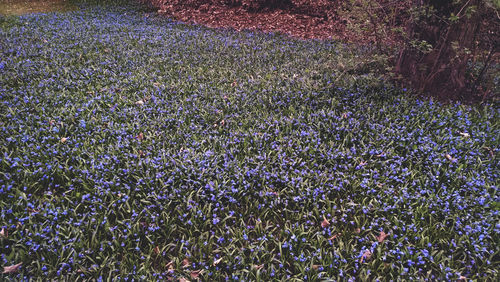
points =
(20, 7)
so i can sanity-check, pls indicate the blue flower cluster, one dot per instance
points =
(135, 147)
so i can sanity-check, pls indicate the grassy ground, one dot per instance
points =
(20, 7)
(133, 146)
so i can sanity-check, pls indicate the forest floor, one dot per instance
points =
(20, 7)
(304, 20)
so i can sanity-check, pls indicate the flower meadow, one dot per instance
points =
(135, 147)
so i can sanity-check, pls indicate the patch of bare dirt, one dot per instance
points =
(19, 7)
(305, 19)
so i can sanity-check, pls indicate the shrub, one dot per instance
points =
(447, 49)
(446, 40)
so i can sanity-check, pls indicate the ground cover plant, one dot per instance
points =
(133, 146)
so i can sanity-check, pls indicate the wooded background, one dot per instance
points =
(447, 49)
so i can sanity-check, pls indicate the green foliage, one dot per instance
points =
(447, 67)
(435, 43)
(375, 21)
(7, 22)
(134, 147)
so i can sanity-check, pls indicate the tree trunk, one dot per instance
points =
(442, 71)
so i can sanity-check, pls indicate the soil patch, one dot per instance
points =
(303, 20)
(20, 7)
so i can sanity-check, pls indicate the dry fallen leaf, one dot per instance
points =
(182, 279)
(325, 222)
(185, 263)
(382, 236)
(64, 139)
(170, 266)
(465, 134)
(156, 250)
(30, 211)
(4, 233)
(139, 103)
(195, 274)
(334, 237)
(216, 262)
(366, 256)
(12, 268)
(273, 192)
(450, 158)
(140, 136)
(258, 266)
(315, 266)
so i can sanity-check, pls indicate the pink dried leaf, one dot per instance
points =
(325, 222)
(4, 233)
(366, 256)
(334, 237)
(12, 268)
(259, 266)
(195, 274)
(316, 266)
(382, 236)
